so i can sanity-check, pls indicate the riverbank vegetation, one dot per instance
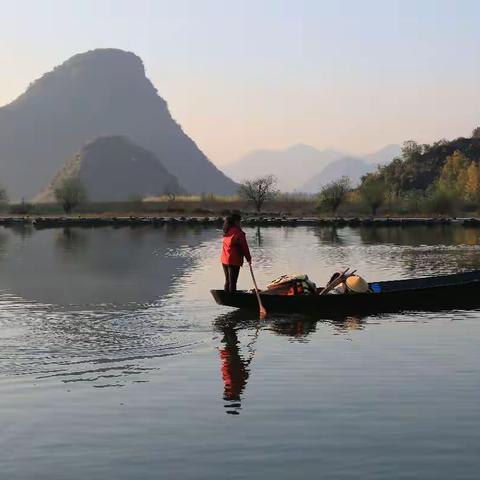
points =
(442, 179)
(438, 179)
(363, 202)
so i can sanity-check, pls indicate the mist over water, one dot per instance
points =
(116, 363)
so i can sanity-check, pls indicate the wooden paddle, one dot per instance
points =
(336, 281)
(263, 312)
(333, 283)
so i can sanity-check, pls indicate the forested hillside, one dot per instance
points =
(445, 165)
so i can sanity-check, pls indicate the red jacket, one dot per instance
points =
(235, 247)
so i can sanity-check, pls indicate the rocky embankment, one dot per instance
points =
(157, 221)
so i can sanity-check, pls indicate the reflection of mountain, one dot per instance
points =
(98, 266)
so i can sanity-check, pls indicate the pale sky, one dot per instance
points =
(242, 75)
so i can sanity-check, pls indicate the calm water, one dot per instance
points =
(116, 364)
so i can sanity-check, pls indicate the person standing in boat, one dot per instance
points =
(234, 250)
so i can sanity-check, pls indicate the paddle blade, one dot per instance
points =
(263, 312)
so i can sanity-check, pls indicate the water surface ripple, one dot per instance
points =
(115, 363)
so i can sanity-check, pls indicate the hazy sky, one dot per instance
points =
(242, 75)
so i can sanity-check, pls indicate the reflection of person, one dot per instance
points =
(234, 368)
(235, 248)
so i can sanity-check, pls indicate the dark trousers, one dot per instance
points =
(231, 276)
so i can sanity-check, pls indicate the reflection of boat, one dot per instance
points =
(294, 326)
(236, 361)
(457, 291)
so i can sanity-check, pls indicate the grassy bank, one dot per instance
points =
(200, 205)
(290, 205)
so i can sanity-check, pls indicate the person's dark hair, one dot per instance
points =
(230, 221)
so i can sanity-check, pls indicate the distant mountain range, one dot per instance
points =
(303, 168)
(105, 93)
(293, 166)
(384, 155)
(98, 93)
(352, 167)
(113, 168)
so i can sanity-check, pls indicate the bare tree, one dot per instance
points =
(170, 193)
(476, 132)
(70, 193)
(333, 194)
(259, 190)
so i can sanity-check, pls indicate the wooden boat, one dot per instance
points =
(445, 292)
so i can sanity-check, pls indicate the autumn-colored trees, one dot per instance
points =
(472, 186)
(419, 166)
(460, 177)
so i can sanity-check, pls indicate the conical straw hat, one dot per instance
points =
(357, 284)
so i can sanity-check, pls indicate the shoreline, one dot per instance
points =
(42, 222)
